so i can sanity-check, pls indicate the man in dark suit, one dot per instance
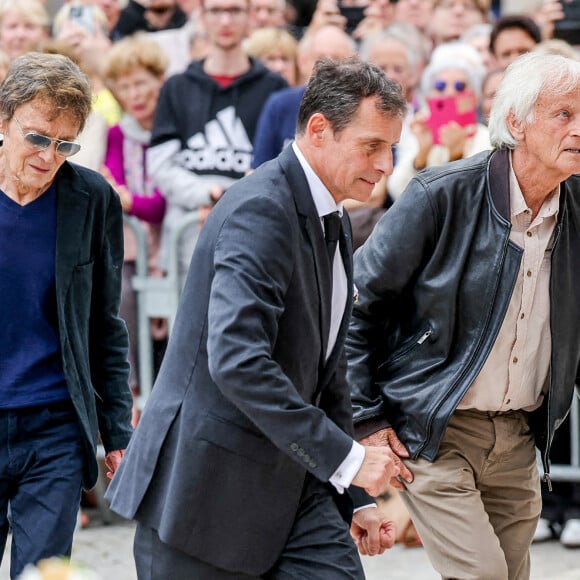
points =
(239, 463)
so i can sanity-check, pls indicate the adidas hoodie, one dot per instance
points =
(202, 136)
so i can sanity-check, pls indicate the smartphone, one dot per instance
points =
(461, 108)
(568, 28)
(83, 15)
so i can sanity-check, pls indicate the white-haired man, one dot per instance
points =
(464, 345)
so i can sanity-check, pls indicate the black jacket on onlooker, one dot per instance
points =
(132, 19)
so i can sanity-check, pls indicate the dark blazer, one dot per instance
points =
(89, 261)
(244, 405)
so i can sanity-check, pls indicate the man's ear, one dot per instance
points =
(317, 129)
(515, 127)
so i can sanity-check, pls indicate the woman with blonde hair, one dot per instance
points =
(277, 49)
(24, 24)
(135, 70)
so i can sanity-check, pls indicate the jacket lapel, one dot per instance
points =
(72, 206)
(312, 229)
(499, 179)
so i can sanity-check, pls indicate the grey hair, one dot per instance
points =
(53, 78)
(307, 40)
(384, 36)
(475, 31)
(420, 44)
(525, 80)
(454, 55)
(336, 89)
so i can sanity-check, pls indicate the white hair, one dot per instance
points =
(454, 55)
(386, 35)
(525, 80)
(475, 31)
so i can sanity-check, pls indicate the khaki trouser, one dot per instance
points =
(477, 505)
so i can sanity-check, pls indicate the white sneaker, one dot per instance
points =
(571, 534)
(543, 531)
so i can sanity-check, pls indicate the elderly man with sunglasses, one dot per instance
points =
(63, 369)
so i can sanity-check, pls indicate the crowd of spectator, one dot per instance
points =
(191, 95)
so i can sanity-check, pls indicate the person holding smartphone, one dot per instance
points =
(445, 128)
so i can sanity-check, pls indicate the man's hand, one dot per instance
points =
(547, 16)
(327, 13)
(112, 460)
(388, 438)
(379, 467)
(372, 532)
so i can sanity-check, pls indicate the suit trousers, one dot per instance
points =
(477, 505)
(319, 548)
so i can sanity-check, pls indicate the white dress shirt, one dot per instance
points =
(325, 204)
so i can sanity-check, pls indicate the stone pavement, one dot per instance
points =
(107, 549)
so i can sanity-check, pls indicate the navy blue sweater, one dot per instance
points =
(31, 370)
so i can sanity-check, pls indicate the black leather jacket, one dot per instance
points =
(435, 279)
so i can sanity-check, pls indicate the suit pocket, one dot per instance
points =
(78, 317)
(407, 350)
(237, 440)
(82, 284)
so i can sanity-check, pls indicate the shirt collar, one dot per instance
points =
(323, 199)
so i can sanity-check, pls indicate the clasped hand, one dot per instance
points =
(371, 530)
(382, 465)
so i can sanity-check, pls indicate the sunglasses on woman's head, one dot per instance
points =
(440, 86)
(41, 142)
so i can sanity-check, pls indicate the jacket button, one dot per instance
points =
(312, 464)
(294, 446)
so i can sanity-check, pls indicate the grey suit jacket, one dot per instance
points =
(89, 262)
(245, 404)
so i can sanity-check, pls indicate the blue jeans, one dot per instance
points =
(41, 466)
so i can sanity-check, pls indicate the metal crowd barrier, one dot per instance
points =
(156, 297)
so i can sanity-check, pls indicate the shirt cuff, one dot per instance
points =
(343, 476)
(364, 507)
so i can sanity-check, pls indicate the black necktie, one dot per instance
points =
(331, 234)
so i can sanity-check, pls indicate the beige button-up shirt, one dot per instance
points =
(516, 373)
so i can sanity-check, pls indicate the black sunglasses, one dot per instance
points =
(41, 142)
